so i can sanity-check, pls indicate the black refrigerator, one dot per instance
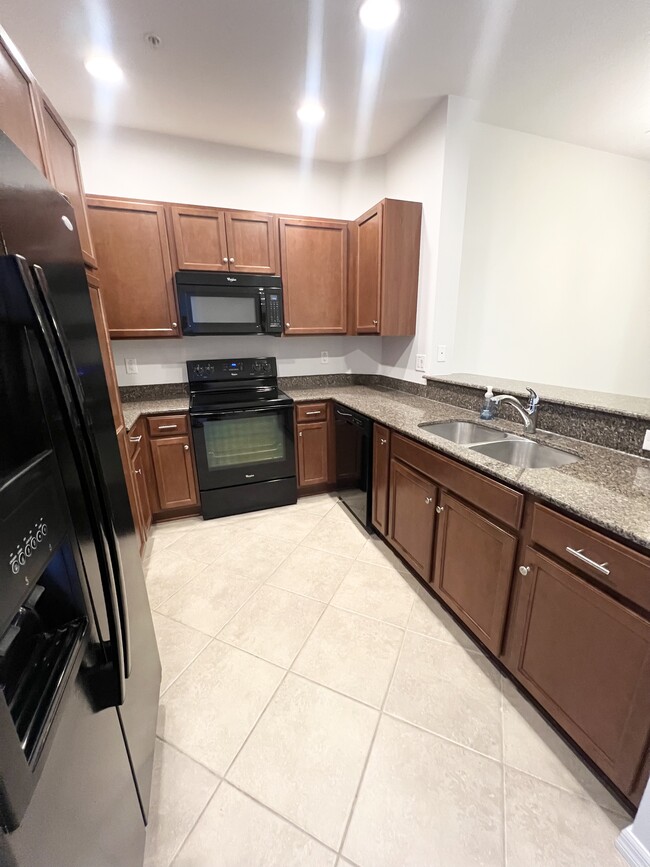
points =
(79, 666)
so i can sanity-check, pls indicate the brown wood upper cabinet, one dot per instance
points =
(314, 275)
(586, 658)
(387, 265)
(380, 477)
(65, 174)
(20, 116)
(133, 255)
(474, 561)
(210, 239)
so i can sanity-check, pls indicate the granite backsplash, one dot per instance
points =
(613, 430)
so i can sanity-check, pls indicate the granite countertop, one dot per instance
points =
(607, 487)
(133, 409)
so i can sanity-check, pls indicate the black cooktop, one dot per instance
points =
(240, 383)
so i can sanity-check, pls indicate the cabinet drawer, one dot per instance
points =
(614, 565)
(167, 425)
(498, 501)
(134, 437)
(311, 411)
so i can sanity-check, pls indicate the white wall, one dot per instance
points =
(133, 163)
(556, 264)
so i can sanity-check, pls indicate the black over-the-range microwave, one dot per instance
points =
(220, 303)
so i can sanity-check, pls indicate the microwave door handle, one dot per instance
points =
(98, 477)
(27, 311)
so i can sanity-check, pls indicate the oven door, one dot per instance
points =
(221, 310)
(240, 447)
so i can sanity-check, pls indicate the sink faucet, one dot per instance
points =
(527, 413)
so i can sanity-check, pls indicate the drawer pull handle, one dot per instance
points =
(524, 570)
(167, 426)
(580, 555)
(136, 439)
(440, 509)
(314, 412)
(382, 442)
(249, 475)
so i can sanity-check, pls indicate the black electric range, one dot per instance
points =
(242, 427)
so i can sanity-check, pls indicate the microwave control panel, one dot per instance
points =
(274, 311)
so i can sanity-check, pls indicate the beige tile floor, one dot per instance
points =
(319, 708)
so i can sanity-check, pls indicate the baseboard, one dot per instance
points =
(632, 849)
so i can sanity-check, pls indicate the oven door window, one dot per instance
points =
(238, 442)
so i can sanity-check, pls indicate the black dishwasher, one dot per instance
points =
(354, 462)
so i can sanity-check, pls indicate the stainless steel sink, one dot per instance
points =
(525, 453)
(464, 432)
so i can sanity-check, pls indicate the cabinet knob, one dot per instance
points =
(299, 433)
(428, 500)
(186, 447)
(138, 472)
(231, 259)
(440, 510)
(287, 325)
(524, 570)
(375, 322)
(174, 324)
(382, 442)
(225, 258)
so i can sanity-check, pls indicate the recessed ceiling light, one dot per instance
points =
(379, 14)
(311, 112)
(104, 68)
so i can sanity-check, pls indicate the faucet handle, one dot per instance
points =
(533, 398)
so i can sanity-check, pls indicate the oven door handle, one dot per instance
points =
(226, 413)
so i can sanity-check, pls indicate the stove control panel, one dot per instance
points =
(222, 369)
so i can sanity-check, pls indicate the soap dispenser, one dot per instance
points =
(487, 412)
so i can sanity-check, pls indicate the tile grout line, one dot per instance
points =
(503, 779)
(178, 849)
(372, 744)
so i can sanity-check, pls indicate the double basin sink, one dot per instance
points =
(505, 447)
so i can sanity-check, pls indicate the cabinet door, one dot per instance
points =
(174, 471)
(412, 517)
(586, 659)
(314, 275)
(474, 562)
(133, 257)
(19, 108)
(105, 349)
(131, 488)
(368, 276)
(199, 238)
(252, 242)
(64, 173)
(380, 474)
(312, 454)
(143, 494)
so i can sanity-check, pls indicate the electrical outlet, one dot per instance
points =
(131, 365)
(420, 362)
(646, 441)
(324, 357)
(442, 352)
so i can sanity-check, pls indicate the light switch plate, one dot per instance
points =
(442, 352)
(420, 362)
(131, 365)
(646, 441)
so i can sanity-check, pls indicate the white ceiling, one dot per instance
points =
(233, 71)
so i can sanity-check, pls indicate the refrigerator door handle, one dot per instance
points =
(29, 312)
(98, 477)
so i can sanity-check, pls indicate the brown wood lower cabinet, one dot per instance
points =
(138, 464)
(586, 658)
(174, 472)
(131, 486)
(412, 516)
(312, 452)
(380, 476)
(474, 561)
